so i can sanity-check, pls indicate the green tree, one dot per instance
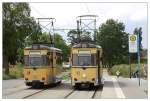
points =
(59, 43)
(17, 24)
(44, 38)
(35, 31)
(85, 36)
(138, 31)
(114, 41)
(73, 36)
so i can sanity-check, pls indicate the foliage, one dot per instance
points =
(41, 37)
(17, 24)
(75, 37)
(85, 36)
(114, 41)
(58, 41)
(15, 72)
(124, 70)
(138, 31)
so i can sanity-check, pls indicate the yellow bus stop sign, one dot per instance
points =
(132, 38)
(132, 43)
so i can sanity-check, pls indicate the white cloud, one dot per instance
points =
(66, 13)
(138, 15)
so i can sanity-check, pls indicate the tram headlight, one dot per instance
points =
(93, 79)
(43, 78)
(75, 79)
(84, 75)
(26, 78)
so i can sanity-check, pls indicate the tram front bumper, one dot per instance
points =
(30, 82)
(85, 82)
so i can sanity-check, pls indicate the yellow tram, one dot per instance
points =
(86, 65)
(42, 65)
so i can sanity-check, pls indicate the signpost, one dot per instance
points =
(133, 44)
(134, 48)
(139, 58)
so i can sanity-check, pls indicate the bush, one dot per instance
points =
(125, 70)
(14, 72)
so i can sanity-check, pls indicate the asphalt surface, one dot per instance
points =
(6, 84)
(113, 88)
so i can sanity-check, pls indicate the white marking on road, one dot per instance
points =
(118, 89)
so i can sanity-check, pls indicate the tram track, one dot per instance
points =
(34, 93)
(63, 91)
(92, 93)
(93, 96)
(15, 91)
(26, 93)
(42, 90)
(69, 94)
(37, 92)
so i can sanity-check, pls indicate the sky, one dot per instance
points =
(131, 14)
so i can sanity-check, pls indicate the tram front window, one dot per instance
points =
(37, 60)
(84, 60)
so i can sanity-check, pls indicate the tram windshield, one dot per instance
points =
(37, 60)
(84, 60)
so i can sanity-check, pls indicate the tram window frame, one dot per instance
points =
(26, 60)
(86, 57)
(75, 60)
(58, 58)
(40, 59)
(44, 60)
(93, 59)
(98, 58)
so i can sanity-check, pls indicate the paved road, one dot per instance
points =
(6, 84)
(131, 89)
(124, 87)
(113, 88)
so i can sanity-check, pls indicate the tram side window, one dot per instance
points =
(46, 60)
(74, 59)
(26, 60)
(93, 59)
(58, 58)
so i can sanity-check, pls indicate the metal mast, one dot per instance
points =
(87, 24)
(48, 26)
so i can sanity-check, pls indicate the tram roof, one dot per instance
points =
(86, 45)
(42, 46)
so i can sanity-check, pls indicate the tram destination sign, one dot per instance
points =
(132, 43)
